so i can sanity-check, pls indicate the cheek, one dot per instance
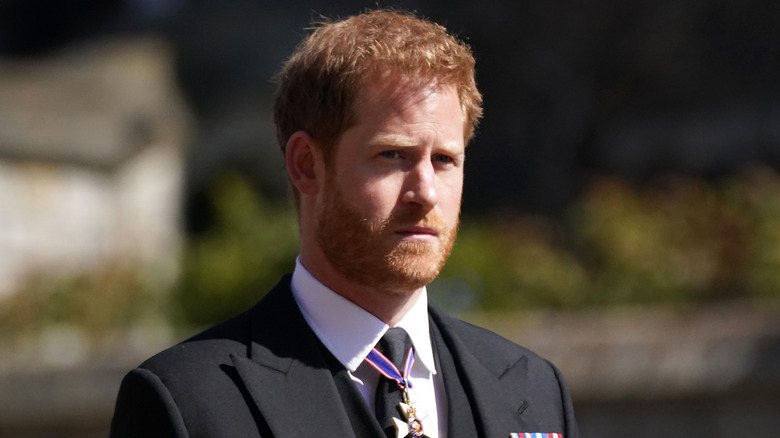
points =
(450, 198)
(372, 199)
(381, 199)
(453, 203)
(379, 191)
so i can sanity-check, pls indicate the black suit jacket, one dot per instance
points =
(262, 373)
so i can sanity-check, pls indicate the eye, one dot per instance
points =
(390, 154)
(441, 158)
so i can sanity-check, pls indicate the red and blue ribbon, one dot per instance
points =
(388, 369)
(535, 435)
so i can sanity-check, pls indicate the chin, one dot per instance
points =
(411, 272)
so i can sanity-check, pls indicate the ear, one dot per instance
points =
(305, 163)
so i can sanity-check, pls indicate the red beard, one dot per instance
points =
(369, 252)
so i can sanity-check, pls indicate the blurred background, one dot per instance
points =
(621, 211)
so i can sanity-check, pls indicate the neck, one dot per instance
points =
(387, 305)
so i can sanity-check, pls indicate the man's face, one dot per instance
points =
(389, 211)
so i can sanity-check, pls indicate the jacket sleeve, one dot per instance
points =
(570, 422)
(145, 408)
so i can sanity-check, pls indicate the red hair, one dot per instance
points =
(318, 85)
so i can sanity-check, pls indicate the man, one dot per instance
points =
(373, 114)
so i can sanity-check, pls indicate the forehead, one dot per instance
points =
(395, 93)
(389, 115)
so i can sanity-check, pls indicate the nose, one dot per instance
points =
(420, 186)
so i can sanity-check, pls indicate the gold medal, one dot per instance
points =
(412, 426)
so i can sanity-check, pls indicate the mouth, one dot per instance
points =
(418, 232)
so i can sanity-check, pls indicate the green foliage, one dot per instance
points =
(759, 198)
(682, 240)
(678, 240)
(230, 267)
(655, 244)
(515, 263)
(113, 297)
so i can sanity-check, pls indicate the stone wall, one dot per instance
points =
(91, 159)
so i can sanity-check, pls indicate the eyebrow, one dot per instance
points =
(394, 140)
(399, 140)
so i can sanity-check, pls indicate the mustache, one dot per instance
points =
(430, 220)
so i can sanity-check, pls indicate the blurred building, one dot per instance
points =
(90, 160)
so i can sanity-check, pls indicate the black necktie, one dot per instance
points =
(394, 345)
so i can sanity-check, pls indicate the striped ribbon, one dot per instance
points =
(388, 369)
(535, 435)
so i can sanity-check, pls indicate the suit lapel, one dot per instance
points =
(286, 374)
(493, 381)
(288, 378)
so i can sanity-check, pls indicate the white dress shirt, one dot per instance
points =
(350, 332)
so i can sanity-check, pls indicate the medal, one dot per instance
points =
(411, 425)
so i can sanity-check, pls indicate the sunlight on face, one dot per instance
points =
(388, 216)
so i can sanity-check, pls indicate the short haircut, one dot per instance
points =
(318, 85)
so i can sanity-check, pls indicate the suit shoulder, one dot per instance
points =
(521, 371)
(489, 345)
(177, 387)
(206, 349)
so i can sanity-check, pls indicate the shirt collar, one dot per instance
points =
(350, 332)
